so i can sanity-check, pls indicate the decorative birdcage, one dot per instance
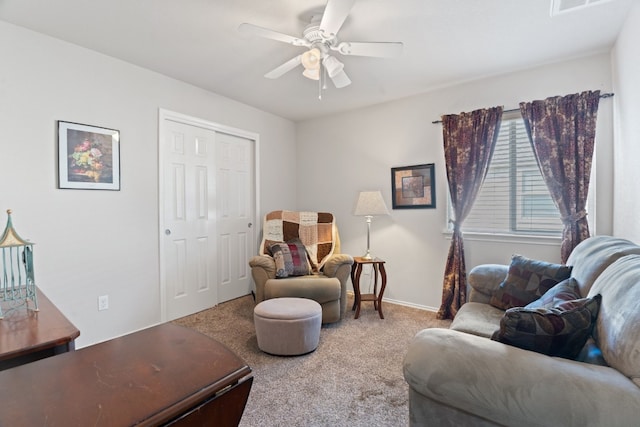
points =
(17, 283)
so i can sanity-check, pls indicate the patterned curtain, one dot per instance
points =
(469, 140)
(562, 132)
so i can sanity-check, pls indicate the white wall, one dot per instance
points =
(91, 243)
(626, 69)
(343, 154)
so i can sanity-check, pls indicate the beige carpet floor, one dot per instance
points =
(354, 378)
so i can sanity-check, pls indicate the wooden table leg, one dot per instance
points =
(383, 275)
(355, 279)
(353, 282)
(375, 285)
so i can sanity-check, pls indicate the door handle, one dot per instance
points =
(167, 232)
(250, 225)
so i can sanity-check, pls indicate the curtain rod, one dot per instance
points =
(604, 95)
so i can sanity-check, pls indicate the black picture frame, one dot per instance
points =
(88, 157)
(413, 187)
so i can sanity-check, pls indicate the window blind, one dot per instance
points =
(514, 198)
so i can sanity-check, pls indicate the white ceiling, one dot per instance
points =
(445, 42)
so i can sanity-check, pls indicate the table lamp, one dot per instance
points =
(370, 203)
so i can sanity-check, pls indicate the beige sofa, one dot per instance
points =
(460, 377)
(327, 285)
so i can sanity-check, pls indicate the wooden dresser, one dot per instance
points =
(164, 375)
(27, 335)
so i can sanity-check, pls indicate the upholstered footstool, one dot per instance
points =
(287, 326)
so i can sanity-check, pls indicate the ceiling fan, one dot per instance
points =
(321, 41)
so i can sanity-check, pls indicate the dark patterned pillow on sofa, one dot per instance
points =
(567, 290)
(559, 331)
(527, 280)
(291, 258)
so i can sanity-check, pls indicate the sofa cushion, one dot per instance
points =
(478, 319)
(527, 280)
(290, 258)
(317, 287)
(593, 255)
(616, 332)
(567, 290)
(497, 384)
(558, 331)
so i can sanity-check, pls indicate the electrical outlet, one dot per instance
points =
(103, 302)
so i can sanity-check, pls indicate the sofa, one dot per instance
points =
(279, 270)
(465, 376)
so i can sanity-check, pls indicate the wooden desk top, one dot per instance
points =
(25, 331)
(143, 378)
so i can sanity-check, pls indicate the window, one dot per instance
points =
(514, 198)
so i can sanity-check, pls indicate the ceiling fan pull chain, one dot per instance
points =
(320, 82)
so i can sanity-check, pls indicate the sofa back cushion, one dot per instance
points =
(593, 255)
(617, 330)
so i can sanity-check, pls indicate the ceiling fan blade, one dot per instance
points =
(379, 49)
(334, 16)
(341, 80)
(270, 34)
(284, 68)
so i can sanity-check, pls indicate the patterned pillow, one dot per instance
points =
(291, 258)
(558, 331)
(567, 290)
(527, 280)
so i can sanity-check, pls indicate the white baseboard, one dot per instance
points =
(406, 304)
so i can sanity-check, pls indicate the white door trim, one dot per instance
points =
(164, 115)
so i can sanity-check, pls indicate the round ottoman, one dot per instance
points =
(287, 326)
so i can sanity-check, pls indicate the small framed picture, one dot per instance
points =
(88, 157)
(413, 187)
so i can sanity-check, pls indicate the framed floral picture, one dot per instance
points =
(88, 157)
(413, 187)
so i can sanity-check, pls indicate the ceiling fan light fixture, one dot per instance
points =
(312, 74)
(333, 66)
(311, 59)
(341, 80)
(319, 38)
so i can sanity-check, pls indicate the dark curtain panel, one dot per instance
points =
(562, 132)
(469, 140)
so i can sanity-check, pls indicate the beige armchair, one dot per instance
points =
(326, 284)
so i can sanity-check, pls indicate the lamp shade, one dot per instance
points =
(370, 203)
(341, 80)
(333, 66)
(311, 59)
(312, 74)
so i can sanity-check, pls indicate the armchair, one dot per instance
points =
(326, 284)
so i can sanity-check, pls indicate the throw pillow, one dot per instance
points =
(290, 258)
(558, 331)
(527, 280)
(567, 290)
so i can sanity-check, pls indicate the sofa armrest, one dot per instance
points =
(484, 279)
(511, 386)
(263, 268)
(339, 265)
